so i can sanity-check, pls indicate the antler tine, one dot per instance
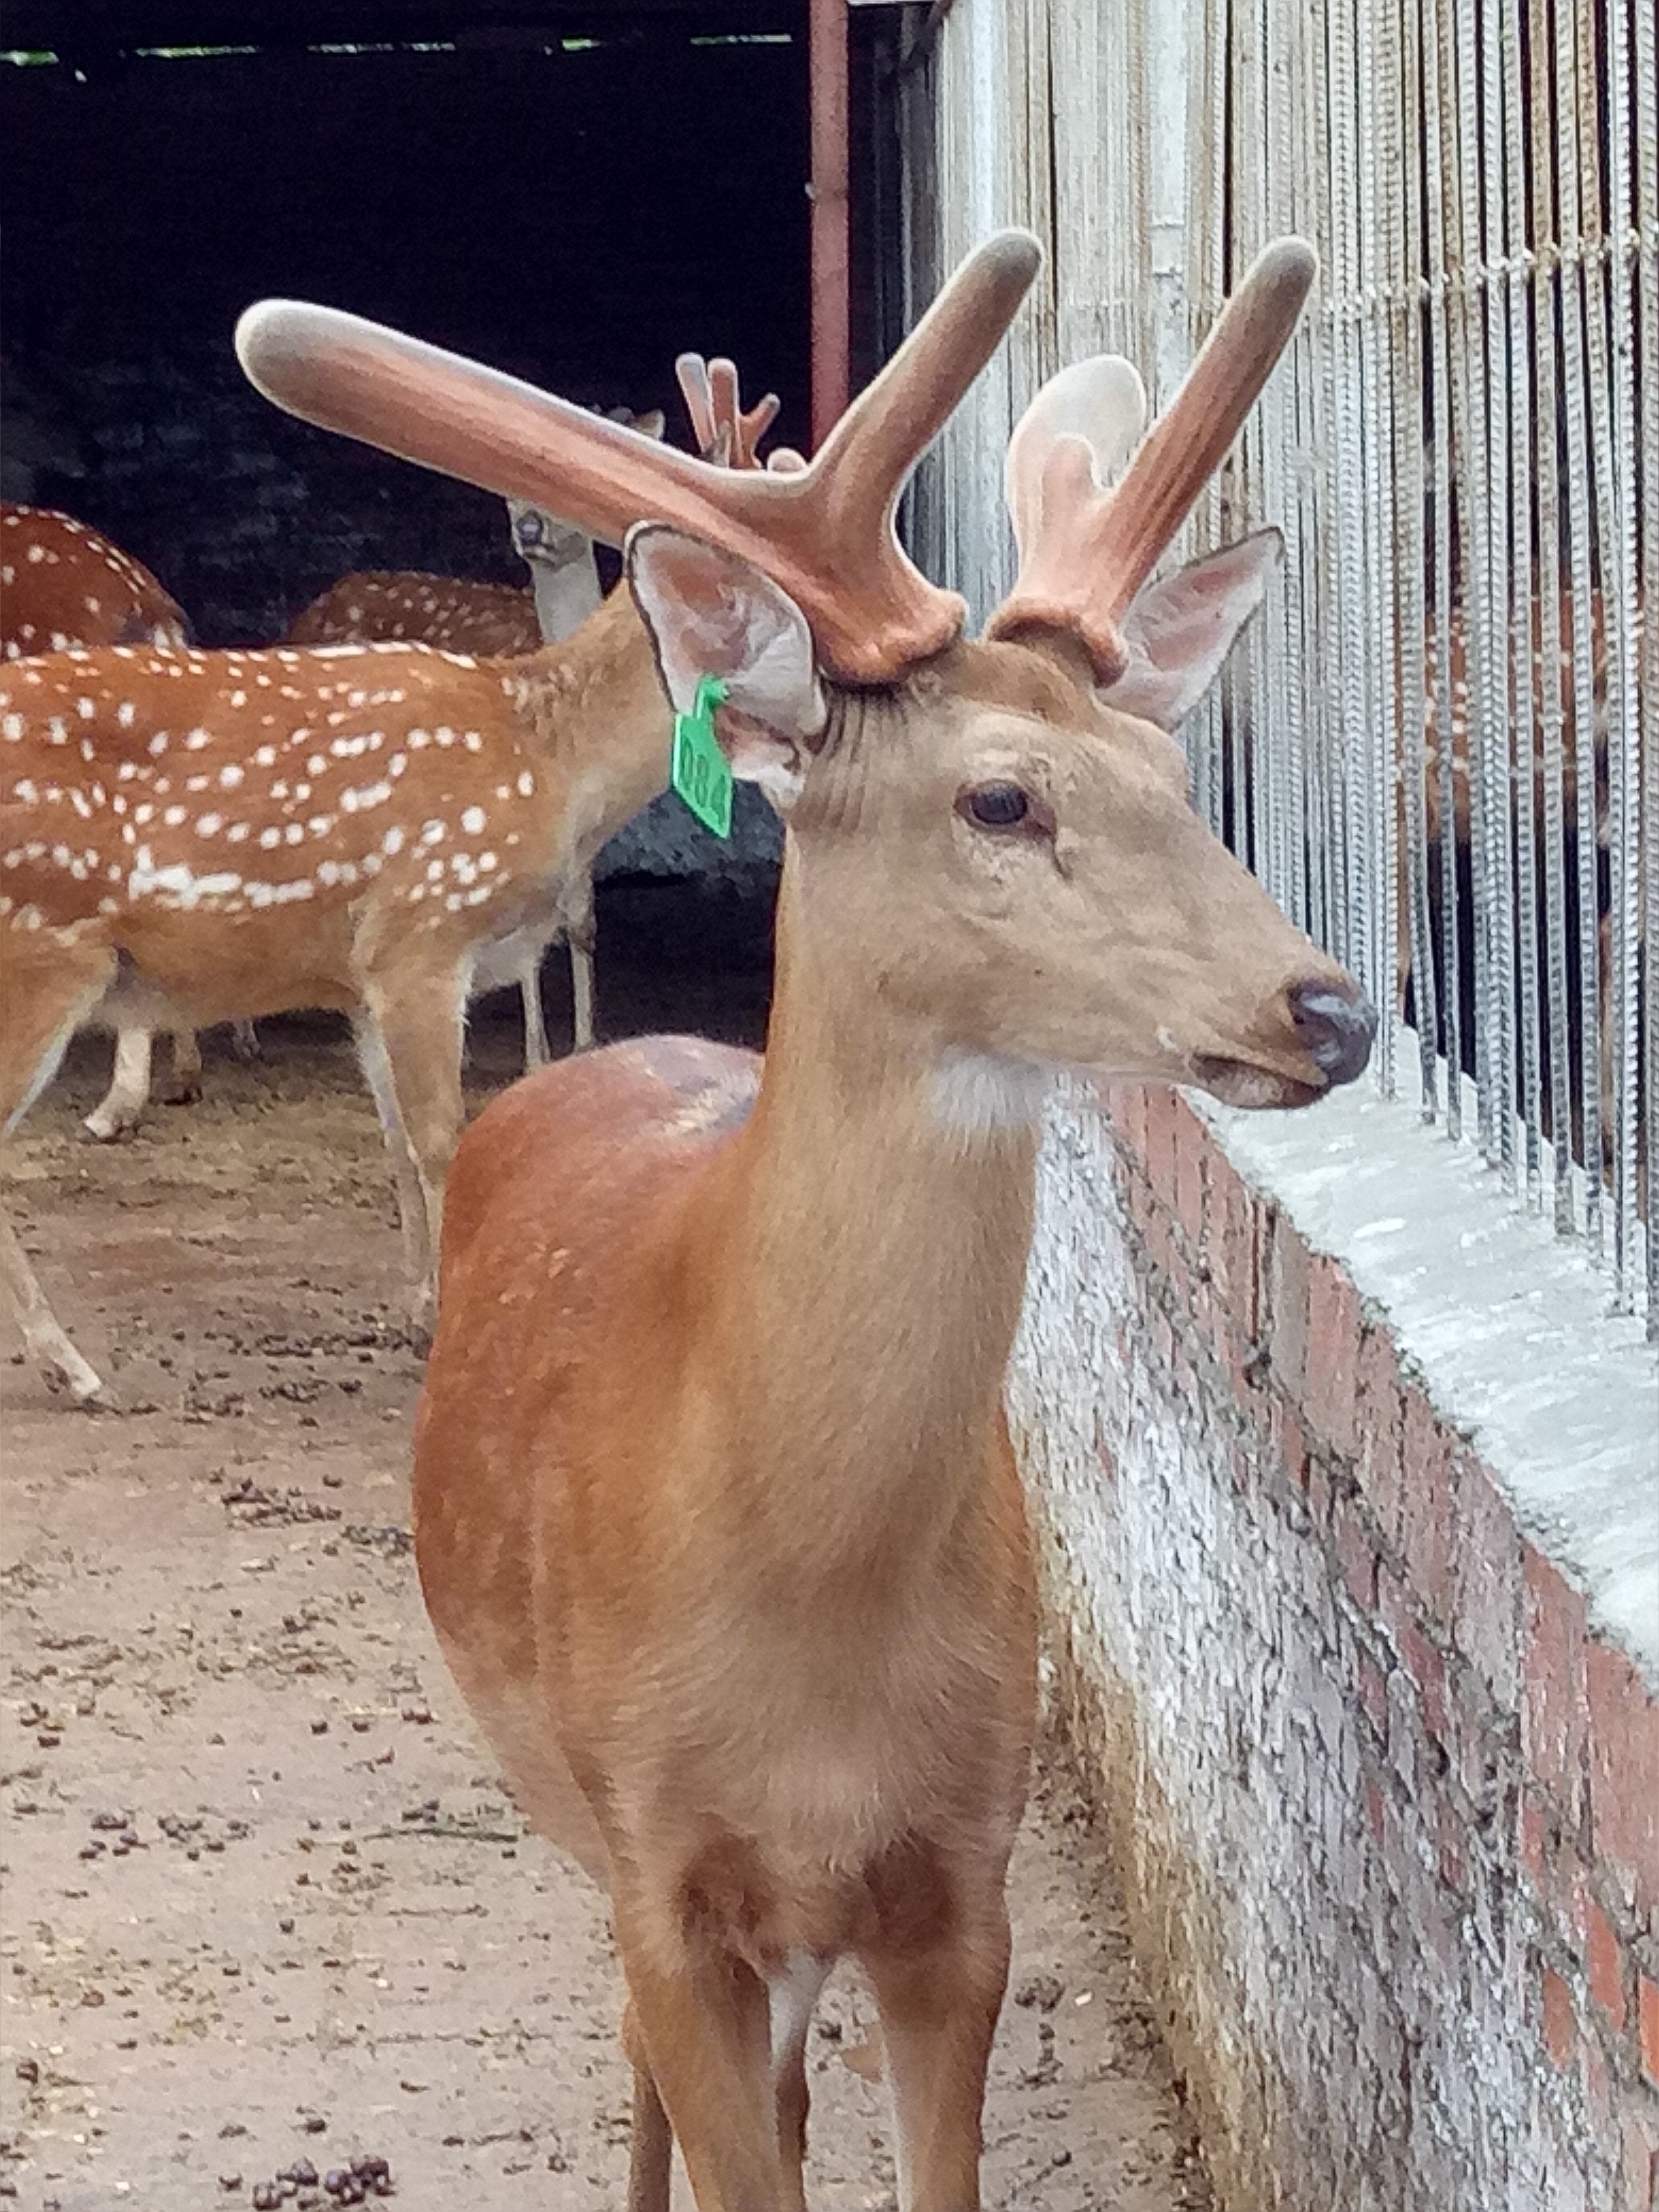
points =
(824, 532)
(1094, 549)
(724, 434)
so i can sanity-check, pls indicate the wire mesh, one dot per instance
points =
(1440, 746)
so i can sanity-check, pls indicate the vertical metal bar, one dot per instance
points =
(1468, 382)
(1440, 111)
(1522, 628)
(1622, 734)
(1646, 855)
(1380, 215)
(1575, 312)
(1417, 932)
(1497, 884)
(1549, 318)
(1590, 727)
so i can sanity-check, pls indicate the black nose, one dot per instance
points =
(1335, 1026)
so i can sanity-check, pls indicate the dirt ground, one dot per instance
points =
(265, 1900)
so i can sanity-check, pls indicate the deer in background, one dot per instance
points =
(211, 836)
(1453, 692)
(494, 620)
(715, 1509)
(64, 585)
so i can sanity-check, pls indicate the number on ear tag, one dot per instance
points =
(701, 773)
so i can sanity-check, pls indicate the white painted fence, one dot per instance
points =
(1462, 446)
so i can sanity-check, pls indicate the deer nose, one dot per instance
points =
(1335, 1025)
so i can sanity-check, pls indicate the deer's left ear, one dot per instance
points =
(1180, 630)
(711, 614)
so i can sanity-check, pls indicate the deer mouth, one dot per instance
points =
(1248, 1084)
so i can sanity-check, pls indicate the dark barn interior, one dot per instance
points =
(573, 196)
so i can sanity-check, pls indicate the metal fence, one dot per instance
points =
(1440, 746)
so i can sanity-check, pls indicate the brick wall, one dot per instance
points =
(1388, 1804)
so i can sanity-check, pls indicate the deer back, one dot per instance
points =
(62, 584)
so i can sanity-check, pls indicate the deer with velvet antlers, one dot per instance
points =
(715, 1510)
(194, 837)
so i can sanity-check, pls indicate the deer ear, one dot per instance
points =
(1180, 630)
(710, 614)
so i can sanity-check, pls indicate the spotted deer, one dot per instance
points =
(715, 1510)
(64, 585)
(493, 621)
(378, 828)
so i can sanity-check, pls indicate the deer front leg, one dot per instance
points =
(122, 1106)
(582, 936)
(703, 2032)
(939, 1965)
(536, 1054)
(47, 988)
(409, 1044)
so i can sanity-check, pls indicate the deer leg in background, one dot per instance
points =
(536, 1054)
(244, 1041)
(582, 936)
(417, 1016)
(792, 1999)
(376, 1062)
(184, 1087)
(122, 1106)
(47, 987)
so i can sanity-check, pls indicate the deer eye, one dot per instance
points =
(994, 805)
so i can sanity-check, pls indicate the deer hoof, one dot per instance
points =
(109, 1124)
(181, 1091)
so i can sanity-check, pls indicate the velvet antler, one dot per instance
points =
(1085, 550)
(824, 532)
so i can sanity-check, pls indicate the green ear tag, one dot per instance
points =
(701, 773)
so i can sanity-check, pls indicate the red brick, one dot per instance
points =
(1647, 2001)
(1290, 1443)
(1560, 2023)
(1380, 1419)
(1290, 1272)
(1604, 1963)
(1374, 1693)
(1160, 1153)
(1426, 1524)
(1554, 1705)
(1335, 1329)
(1487, 1585)
(1375, 1811)
(1396, 1604)
(1194, 1147)
(1129, 1117)
(1232, 1251)
(1533, 1842)
(1356, 1551)
(1624, 1773)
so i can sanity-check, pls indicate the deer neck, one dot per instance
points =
(567, 593)
(861, 1266)
(594, 710)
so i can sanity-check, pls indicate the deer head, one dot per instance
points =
(991, 843)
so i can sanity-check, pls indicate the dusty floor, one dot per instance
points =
(264, 1899)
